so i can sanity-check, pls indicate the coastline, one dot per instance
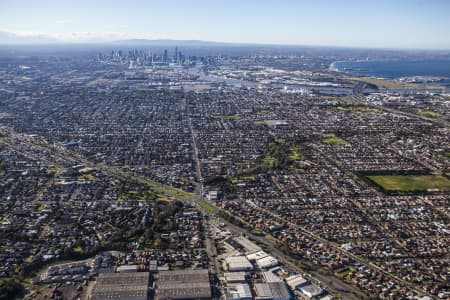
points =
(332, 67)
(394, 69)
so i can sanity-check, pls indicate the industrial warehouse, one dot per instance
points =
(183, 284)
(123, 286)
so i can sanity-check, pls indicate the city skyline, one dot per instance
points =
(384, 24)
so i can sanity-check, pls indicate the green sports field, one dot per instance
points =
(411, 183)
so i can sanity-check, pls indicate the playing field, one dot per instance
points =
(411, 183)
(332, 140)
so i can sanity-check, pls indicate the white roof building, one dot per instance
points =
(267, 262)
(127, 268)
(234, 277)
(311, 290)
(257, 255)
(296, 281)
(238, 263)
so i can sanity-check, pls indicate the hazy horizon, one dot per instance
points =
(385, 24)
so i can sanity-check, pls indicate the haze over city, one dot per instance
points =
(352, 23)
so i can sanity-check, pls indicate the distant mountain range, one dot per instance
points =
(9, 38)
(168, 42)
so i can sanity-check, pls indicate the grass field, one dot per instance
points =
(332, 140)
(258, 122)
(296, 153)
(86, 177)
(343, 272)
(411, 183)
(226, 117)
(393, 84)
(428, 113)
(137, 195)
(269, 161)
(174, 192)
(208, 208)
(358, 109)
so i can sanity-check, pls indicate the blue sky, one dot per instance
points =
(354, 23)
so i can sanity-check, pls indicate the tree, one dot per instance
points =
(9, 289)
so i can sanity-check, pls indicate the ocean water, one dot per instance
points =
(397, 68)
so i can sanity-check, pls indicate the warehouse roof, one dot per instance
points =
(238, 291)
(238, 262)
(184, 275)
(267, 262)
(231, 277)
(197, 290)
(311, 290)
(129, 286)
(296, 281)
(279, 290)
(257, 255)
(248, 245)
(183, 284)
(263, 291)
(270, 277)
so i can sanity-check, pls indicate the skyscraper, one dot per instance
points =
(165, 58)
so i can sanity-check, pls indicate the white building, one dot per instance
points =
(238, 263)
(267, 262)
(257, 255)
(234, 277)
(127, 269)
(295, 282)
(311, 290)
(213, 195)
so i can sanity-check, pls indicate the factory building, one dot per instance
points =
(183, 284)
(238, 263)
(234, 277)
(295, 282)
(311, 290)
(256, 255)
(279, 291)
(245, 244)
(127, 269)
(262, 291)
(272, 291)
(121, 286)
(238, 291)
(267, 262)
(271, 277)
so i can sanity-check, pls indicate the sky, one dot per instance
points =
(421, 24)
